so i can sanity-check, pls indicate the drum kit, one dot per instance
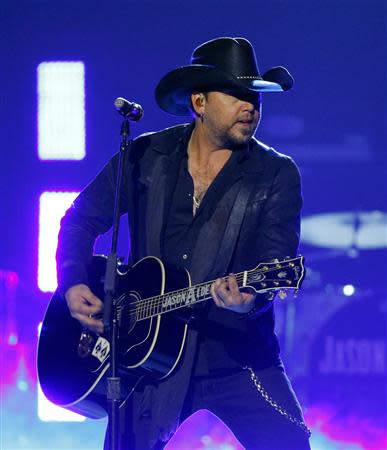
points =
(346, 230)
(334, 336)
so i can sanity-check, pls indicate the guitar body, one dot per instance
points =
(73, 363)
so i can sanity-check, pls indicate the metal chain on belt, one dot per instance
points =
(275, 405)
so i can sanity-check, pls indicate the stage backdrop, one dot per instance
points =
(333, 123)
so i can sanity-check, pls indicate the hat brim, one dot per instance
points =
(173, 93)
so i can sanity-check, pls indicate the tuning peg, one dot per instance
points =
(295, 293)
(270, 296)
(282, 294)
(276, 261)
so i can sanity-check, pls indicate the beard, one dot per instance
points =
(235, 136)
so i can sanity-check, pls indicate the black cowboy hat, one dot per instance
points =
(222, 63)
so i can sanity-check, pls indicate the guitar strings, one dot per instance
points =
(154, 301)
(239, 277)
(150, 304)
(150, 310)
(145, 307)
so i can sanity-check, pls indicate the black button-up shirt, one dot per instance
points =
(180, 235)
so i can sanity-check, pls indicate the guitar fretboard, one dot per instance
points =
(173, 300)
(285, 275)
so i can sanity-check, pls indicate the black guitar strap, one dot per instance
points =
(223, 258)
(215, 246)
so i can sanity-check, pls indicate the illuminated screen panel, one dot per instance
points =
(61, 110)
(48, 412)
(52, 207)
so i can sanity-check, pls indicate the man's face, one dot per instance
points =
(231, 118)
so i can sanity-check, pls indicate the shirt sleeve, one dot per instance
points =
(90, 215)
(279, 230)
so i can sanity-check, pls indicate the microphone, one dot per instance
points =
(130, 110)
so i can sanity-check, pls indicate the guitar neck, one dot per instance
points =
(287, 274)
(174, 300)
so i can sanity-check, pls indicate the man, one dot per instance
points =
(209, 197)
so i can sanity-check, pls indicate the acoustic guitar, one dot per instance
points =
(154, 303)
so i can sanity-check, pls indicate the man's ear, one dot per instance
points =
(198, 100)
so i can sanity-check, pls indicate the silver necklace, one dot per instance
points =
(195, 204)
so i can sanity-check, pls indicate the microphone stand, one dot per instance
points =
(109, 315)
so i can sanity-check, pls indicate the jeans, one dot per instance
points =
(236, 401)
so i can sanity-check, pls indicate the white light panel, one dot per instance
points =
(52, 207)
(48, 412)
(61, 110)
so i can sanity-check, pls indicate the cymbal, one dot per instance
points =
(345, 230)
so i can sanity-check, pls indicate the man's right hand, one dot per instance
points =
(83, 305)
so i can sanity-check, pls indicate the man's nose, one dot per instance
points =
(250, 105)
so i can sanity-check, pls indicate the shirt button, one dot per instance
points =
(185, 256)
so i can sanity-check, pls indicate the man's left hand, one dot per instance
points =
(226, 294)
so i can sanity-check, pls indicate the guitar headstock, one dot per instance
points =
(277, 275)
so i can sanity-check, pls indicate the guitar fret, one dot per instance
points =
(144, 314)
(153, 307)
(244, 278)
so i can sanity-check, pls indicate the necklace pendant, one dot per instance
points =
(196, 202)
(195, 205)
